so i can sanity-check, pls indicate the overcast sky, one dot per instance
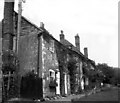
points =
(96, 22)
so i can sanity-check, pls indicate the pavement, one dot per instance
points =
(103, 94)
(68, 98)
(109, 94)
(74, 96)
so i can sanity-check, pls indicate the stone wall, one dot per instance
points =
(31, 85)
(28, 46)
(28, 52)
(62, 61)
(49, 62)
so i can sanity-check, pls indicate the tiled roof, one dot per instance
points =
(72, 47)
(24, 18)
(92, 62)
(66, 43)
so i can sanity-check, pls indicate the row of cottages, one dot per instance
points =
(59, 65)
(47, 67)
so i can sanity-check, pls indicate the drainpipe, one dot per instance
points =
(38, 59)
(39, 63)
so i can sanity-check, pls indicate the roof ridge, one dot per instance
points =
(29, 21)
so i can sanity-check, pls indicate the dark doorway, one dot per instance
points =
(31, 87)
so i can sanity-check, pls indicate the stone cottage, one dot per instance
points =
(47, 67)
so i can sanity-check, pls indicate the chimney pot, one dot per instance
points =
(77, 42)
(41, 25)
(86, 52)
(61, 31)
(62, 37)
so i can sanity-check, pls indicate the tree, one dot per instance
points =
(9, 69)
(108, 72)
(117, 75)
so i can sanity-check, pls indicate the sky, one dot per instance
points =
(95, 21)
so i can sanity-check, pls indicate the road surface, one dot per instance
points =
(109, 94)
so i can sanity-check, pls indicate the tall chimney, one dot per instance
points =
(8, 25)
(62, 37)
(86, 52)
(42, 25)
(77, 42)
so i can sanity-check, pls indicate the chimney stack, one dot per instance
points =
(8, 25)
(42, 25)
(86, 52)
(77, 42)
(62, 37)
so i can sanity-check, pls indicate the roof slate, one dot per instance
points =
(71, 46)
(64, 42)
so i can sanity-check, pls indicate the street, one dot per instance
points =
(109, 94)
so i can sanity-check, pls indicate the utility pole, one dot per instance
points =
(18, 24)
(18, 34)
